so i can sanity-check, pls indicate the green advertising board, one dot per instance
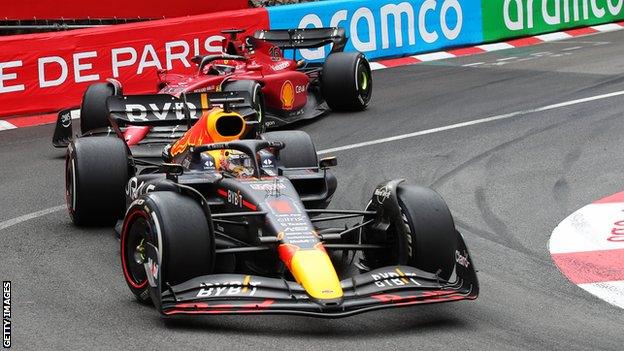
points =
(514, 18)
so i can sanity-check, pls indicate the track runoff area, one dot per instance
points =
(587, 246)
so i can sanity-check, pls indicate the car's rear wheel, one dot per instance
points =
(299, 150)
(93, 111)
(255, 90)
(427, 239)
(347, 82)
(187, 244)
(96, 174)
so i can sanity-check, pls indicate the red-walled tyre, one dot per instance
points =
(187, 244)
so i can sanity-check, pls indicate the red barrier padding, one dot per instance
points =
(50, 71)
(81, 9)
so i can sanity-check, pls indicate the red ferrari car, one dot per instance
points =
(282, 89)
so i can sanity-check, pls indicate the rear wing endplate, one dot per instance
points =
(63, 129)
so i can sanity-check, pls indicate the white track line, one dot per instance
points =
(473, 122)
(508, 58)
(27, 217)
(473, 64)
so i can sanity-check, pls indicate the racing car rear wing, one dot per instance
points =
(304, 38)
(159, 110)
(168, 110)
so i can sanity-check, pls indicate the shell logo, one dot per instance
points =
(287, 95)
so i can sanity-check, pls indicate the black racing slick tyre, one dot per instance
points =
(257, 98)
(430, 236)
(347, 82)
(299, 150)
(96, 174)
(187, 244)
(93, 111)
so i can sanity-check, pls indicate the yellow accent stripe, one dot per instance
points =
(402, 275)
(204, 101)
(246, 282)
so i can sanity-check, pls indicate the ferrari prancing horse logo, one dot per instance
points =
(287, 95)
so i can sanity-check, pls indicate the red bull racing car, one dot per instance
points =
(283, 90)
(220, 224)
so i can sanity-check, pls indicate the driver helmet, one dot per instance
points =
(237, 163)
(221, 69)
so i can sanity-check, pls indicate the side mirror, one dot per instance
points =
(277, 145)
(327, 162)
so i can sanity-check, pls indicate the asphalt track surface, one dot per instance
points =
(507, 182)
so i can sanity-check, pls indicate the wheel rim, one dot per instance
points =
(259, 109)
(70, 185)
(389, 256)
(364, 82)
(135, 236)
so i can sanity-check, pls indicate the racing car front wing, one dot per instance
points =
(395, 286)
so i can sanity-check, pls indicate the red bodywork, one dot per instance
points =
(273, 72)
(283, 86)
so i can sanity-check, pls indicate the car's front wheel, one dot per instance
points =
(424, 238)
(178, 228)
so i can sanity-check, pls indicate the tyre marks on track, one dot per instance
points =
(561, 188)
